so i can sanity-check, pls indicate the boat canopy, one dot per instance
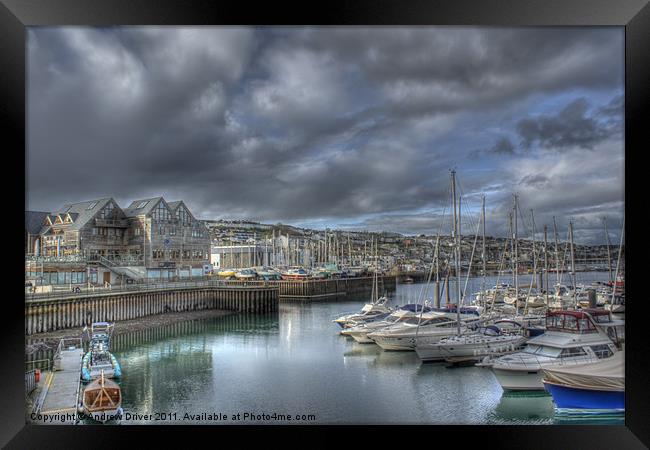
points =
(570, 322)
(605, 375)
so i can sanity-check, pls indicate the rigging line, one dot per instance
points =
(424, 290)
(618, 261)
(469, 267)
(428, 281)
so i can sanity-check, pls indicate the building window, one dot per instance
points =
(91, 206)
(172, 231)
(182, 215)
(142, 204)
(138, 231)
(107, 211)
(161, 212)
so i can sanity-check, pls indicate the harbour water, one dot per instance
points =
(295, 363)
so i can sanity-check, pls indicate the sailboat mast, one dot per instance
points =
(618, 260)
(546, 264)
(557, 255)
(609, 255)
(512, 246)
(516, 254)
(573, 267)
(457, 242)
(484, 256)
(534, 278)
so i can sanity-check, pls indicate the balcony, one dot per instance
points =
(117, 223)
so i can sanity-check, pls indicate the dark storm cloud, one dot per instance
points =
(503, 147)
(308, 124)
(573, 126)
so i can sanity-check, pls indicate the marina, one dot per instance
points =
(326, 225)
(228, 364)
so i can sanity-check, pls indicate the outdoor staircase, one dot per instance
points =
(132, 272)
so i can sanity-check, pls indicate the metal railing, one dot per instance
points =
(41, 364)
(30, 381)
(55, 259)
(135, 287)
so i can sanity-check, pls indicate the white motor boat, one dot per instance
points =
(369, 310)
(431, 327)
(571, 337)
(359, 331)
(486, 341)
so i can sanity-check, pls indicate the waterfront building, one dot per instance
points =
(172, 240)
(96, 241)
(34, 226)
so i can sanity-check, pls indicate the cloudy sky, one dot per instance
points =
(348, 127)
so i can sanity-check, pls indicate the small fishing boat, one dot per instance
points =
(102, 400)
(599, 385)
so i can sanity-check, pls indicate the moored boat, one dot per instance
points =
(295, 274)
(228, 274)
(599, 385)
(571, 337)
(99, 361)
(102, 400)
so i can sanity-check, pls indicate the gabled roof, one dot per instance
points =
(84, 211)
(34, 221)
(145, 208)
(174, 206)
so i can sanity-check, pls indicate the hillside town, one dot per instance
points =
(99, 243)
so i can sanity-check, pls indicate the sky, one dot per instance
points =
(354, 128)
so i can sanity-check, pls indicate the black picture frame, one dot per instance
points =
(634, 15)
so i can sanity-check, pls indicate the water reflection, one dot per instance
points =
(296, 362)
(523, 408)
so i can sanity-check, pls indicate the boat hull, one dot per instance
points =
(362, 338)
(571, 397)
(428, 353)
(519, 380)
(394, 343)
